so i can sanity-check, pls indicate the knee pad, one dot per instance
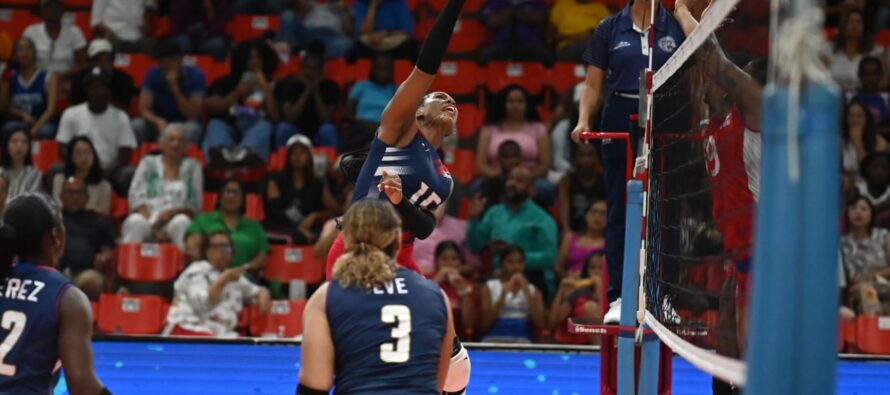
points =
(459, 370)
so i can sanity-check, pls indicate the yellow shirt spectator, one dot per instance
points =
(575, 19)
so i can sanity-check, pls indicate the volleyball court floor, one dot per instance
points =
(152, 367)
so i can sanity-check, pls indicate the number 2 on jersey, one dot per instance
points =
(14, 322)
(400, 350)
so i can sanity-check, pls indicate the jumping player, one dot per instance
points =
(732, 152)
(403, 155)
(375, 328)
(43, 316)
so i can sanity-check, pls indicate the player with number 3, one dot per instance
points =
(376, 327)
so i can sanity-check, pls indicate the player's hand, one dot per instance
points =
(391, 185)
(576, 133)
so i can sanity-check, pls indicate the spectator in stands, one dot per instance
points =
(61, 47)
(313, 20)
(101, 55)
(866, 252)
(125, 23)
(89, 240)
(16, 160)
(30, 94)
(850, 44)
(200, 26)
(384, 26)
(517, 30)
(331, 227)
(581, 186)
(367, 99)
(448, 230)
(514, 116)
(298, 203)
(577, 245)
(82, 164)
(241, 103)
(573, 21)
(518, 221)
(165, 194)
(107, 126)
(871, 76)
(493, 189)
(450, 270)
(308, 102)
(876, 183)
(171, 92)
(209, 295)
(578, 297)
(248, 237)
(4, 189)
(512, 307)
(860, 137)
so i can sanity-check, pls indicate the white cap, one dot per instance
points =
(299, 139)
(98, 46)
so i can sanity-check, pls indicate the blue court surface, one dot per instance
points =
(152, 367)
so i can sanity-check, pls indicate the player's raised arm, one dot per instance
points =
(397, 121)
(317, 350)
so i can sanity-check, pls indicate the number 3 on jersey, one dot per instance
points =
(400, 350)
(14, 322)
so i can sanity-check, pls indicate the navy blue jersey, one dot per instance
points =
(29, 327)
(388, 340)
(622, 51)
(426, 181)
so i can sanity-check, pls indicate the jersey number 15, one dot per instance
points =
(399, 350)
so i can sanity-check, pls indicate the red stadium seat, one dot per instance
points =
(247, 27)
(566, 75)
(289, 262)
(250, 175)
(339, 71)
(469, 120)
(457, 78)
(276, 160)
(211, 68)
(469, 34)
(285, 319)
(78, 3)
(148, 262)
(292, 66)
(160, 25)
(463, 165)
(402, 69)
(81, 20)
(136, 65)
(94, 306)
(15, 21)
(132, 314)
(329, 152)
(21, 3)
(44, 154)
(120, 207)
(873, 334)
(884, 37)
(529, 75)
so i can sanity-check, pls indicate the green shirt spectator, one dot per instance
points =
(248, 237)
(520, 222)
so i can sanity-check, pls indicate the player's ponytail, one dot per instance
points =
(371, 229)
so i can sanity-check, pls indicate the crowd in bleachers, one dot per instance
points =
(857, 59)
(193, 148)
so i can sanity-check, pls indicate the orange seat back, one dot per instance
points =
(132, 314)
(285, 319)
(44, 154)
(289, 262)
(148, 261)
(873, 334)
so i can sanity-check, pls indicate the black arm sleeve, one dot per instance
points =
(436, 43)
(304, 390)
(416, 220)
